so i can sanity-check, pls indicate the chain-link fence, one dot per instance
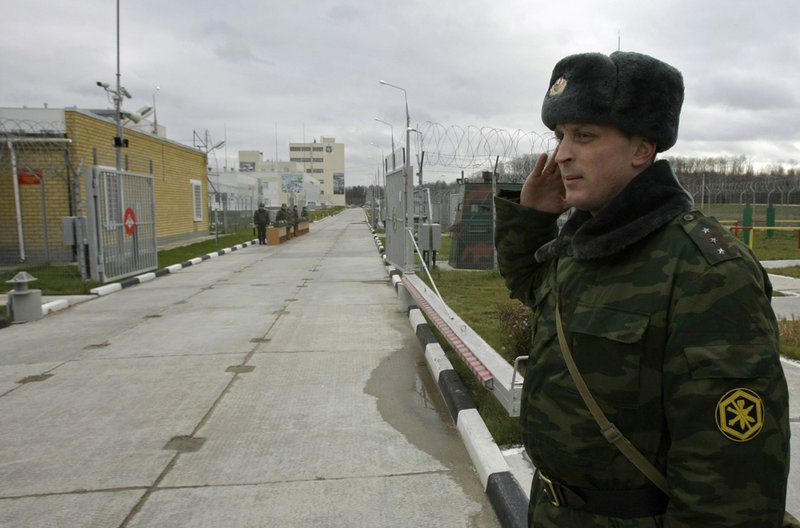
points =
(41, 187)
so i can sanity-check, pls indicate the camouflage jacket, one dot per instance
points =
(261, 217)
(669, 319)
(282, 217)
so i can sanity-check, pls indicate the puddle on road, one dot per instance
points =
(408, 399)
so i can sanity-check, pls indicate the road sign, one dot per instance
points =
(129, 221)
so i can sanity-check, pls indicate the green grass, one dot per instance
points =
(478, 295)
(168, 257)
(52, 279)
(65, 279)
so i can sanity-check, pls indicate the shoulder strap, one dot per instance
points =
(609, 430)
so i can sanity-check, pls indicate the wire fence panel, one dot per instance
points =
(396, 238)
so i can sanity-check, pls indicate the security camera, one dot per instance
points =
(125, 92)
(102, 85)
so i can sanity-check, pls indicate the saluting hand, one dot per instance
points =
(544, 190)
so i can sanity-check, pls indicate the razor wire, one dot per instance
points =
(469, 146)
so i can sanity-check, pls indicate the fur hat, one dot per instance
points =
(636, 93)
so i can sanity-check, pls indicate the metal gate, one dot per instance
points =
(121, 224)
(396, 236)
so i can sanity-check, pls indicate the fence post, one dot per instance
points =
(770, 219)
(747, 221)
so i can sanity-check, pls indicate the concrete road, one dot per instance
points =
(273, 386)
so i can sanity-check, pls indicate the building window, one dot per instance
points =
(197, 200)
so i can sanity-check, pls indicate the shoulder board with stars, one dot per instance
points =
(715, 242)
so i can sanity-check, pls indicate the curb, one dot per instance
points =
(509, 501)
(145, 277)
(505, 494)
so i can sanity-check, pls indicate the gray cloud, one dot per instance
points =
(311, 67)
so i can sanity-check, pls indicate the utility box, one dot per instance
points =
(430, 237)
(72, 229)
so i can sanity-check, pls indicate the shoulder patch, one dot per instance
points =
(740, 414)
(715, 242)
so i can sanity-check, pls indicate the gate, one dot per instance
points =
(121, 224)
(396, 236)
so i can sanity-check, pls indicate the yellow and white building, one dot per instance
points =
(323, 160)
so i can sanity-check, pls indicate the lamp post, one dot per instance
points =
(391, 128)
(155, 116)
(409, 188)
(381, 183)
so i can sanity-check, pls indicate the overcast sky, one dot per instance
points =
(242, 69)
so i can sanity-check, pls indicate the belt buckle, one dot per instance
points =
(550, 490)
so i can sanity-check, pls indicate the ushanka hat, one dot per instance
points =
(636, 93)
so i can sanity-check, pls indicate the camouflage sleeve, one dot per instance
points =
(519, 232)
(726, 400)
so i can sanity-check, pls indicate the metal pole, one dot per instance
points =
(409, 260)
(14, 176)
(391, 130)
(408, 193)
(494, 213)
(117, 103)
(155, 115)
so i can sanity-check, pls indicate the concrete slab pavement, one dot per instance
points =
(276, 386)
(266, 325)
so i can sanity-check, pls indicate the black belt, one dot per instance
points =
(624, 504)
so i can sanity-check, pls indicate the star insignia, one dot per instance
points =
(713, 240)
(721, 251)
(706, 230)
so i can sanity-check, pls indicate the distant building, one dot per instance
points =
(280, 182)
(324, 161)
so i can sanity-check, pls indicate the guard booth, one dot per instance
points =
(473, 231)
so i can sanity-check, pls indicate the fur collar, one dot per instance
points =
(649, 201)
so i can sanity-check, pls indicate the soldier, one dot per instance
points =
(282, 216)
(261, 219)
(294, 217)
(665, 314)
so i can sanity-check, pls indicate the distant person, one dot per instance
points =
(654, 394)
(304, 213)
(295, 219)
(260, 220)
(282, 216)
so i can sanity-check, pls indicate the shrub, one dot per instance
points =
(515, 319)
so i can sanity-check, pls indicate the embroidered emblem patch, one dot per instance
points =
(740, 415)
(558, 87)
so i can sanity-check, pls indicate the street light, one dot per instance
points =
(381, 185)
(391, 128)
(409, 189)
(155, 116)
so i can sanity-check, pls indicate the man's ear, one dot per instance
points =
(644, 153)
